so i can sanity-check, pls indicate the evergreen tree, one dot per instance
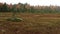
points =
(4, 8)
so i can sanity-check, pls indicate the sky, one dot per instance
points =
(33, 2)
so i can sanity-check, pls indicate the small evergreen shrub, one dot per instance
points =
(14, 19)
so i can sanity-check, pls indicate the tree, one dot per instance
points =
(14, 11)
(14, 18)
(32, 9)
(5, 7)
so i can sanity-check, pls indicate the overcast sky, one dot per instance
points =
(34, 2)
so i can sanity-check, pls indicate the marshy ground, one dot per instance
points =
(31, 24)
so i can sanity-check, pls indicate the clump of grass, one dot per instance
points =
(15, 19)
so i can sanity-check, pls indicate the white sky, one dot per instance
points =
(34, 2)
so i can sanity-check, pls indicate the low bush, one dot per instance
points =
(14, 19)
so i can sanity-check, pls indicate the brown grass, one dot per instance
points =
(31, 24)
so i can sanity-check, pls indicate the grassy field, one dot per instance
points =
(31, 24)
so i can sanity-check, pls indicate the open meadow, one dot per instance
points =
(31, 24)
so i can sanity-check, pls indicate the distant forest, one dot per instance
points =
(27, 8)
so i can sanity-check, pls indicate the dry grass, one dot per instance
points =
(31, 24)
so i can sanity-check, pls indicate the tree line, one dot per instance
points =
(27, 8)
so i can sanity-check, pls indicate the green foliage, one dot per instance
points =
(23, 9)
(4, 8)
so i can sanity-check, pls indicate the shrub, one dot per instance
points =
(14, 19)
